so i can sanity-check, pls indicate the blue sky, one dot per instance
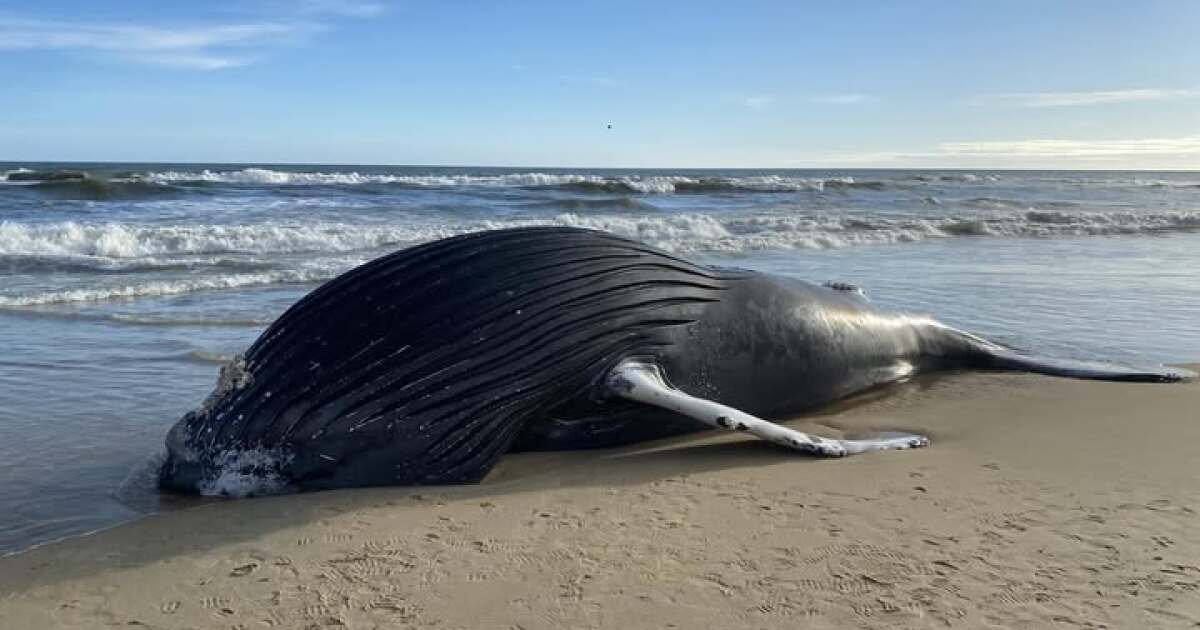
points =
(1086, 84)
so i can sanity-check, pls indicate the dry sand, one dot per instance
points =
(1042, 503)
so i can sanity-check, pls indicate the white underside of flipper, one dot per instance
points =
(643, 382)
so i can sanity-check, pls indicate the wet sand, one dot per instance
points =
(1042, 503)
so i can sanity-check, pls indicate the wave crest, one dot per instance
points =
(168, 287)
(69, 184)
(118, 240)
(117, 246)
(206, 256)
(641, 184)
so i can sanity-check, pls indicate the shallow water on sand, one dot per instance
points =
(121, 292)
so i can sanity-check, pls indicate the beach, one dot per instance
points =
(1042, 503)
(124, 287)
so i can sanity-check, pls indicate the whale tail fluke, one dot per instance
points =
(968, 350)
(1001, 358)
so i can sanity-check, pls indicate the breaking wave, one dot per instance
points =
(640, 184)
(210, 257)
(119, 240)
(97, 264)
(47, 310)
(30, 175)
(997, 203)
(122, 246)
(957, 177)
(89, 189)
(160, 288)
(80, 185)
(617, 204)
(1166, 183)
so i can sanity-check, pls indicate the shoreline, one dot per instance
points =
(1041, 502)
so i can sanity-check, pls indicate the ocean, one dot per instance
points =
(123, 287)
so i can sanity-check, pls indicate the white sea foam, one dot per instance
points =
(83, 263)
(1167, 183)
(158, 288)
(714, 233)
(16, 171)
(647, 184)
(1113, 181)
(49, 310)
(149, 320)
(308, 254)
(205, 356)
(118, 240)
(116, 245)
(970, 178)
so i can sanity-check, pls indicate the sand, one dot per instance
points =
(1042, 503)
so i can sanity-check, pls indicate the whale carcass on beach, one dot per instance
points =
(426, 365)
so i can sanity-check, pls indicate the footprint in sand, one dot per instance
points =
(214, 602)
(243, 570)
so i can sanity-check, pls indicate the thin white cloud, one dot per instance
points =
(195, 62)
(33, 34)
(1078, 99)
(839, 99)
(1077, 149)
(192, 47)
(1016, 153)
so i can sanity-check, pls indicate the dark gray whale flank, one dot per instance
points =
(426, 365)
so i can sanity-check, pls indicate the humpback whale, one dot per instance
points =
(426, 365)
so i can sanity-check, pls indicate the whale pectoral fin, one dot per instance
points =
(643, 382)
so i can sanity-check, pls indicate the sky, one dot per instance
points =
(1087, 84)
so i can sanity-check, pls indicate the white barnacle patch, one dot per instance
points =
(234, 376)
(247, 472)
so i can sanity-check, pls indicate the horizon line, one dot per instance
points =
(601, 168)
